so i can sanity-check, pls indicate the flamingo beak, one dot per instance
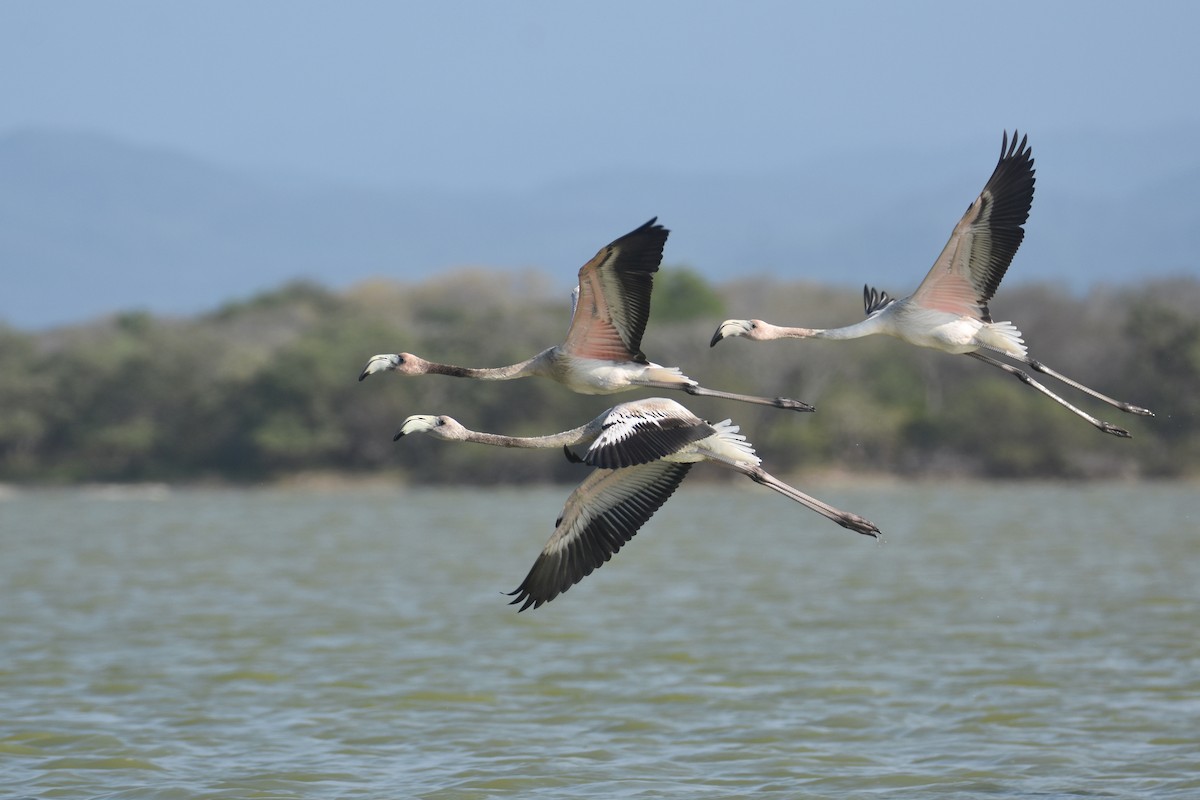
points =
(378, 363)
(730, 327)
(415, 423)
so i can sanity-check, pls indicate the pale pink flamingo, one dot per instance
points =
(602, 352)
(949, 310)
(642, 451)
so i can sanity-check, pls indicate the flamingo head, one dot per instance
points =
(750, 328)
(404, 363)
(437, 426)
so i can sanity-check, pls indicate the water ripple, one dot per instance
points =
(1011, 641)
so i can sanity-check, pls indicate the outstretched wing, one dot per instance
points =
(645, 430)
(614, 297)
(601, 515)
(971, 266)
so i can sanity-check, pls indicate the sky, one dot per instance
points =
(501, 96)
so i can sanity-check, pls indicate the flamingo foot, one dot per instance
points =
(794, 405)
(1108, 427)
(1132, 409)
(860, 525)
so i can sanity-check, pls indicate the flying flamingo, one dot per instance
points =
(642, 451)
(602, 352)
(949, 311)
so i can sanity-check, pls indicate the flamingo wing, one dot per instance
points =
(614, 297)
(643, 431)
(973, 262)
(875, 300)
(601, 515)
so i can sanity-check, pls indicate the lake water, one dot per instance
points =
(1000, 642)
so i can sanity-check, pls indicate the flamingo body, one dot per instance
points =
(947, 331)
(599, 376)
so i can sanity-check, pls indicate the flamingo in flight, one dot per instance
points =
(602, 352)
(949, 310)
(642, 450)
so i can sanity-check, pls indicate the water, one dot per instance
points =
(1011, 641)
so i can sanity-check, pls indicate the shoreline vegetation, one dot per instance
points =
(264, 391)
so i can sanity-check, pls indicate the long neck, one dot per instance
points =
(581, 435)
(868, 327)
(523, 369)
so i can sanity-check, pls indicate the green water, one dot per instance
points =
(1011, 641)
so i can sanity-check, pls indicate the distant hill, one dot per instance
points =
(90, 225)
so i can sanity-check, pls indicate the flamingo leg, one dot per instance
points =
(1024, 378)
(1038, 366)
(844, 518)
(697, 390)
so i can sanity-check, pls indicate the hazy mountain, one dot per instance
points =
(90, 225)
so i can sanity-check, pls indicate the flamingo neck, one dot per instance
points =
(522, 369)
(856, 331)
(580, 435)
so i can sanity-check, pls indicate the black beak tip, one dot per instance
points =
(396, 438)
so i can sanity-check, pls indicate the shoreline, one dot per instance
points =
(344, 482)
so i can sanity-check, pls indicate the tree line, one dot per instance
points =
(265, 388)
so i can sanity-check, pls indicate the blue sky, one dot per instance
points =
(500, 96)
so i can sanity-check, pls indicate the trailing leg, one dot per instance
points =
(1038, 366)
(1022, 376)
(844, 518)
(778, 402)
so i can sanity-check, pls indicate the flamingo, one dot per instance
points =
(949, 310)
(602, 352)
(642, 450)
